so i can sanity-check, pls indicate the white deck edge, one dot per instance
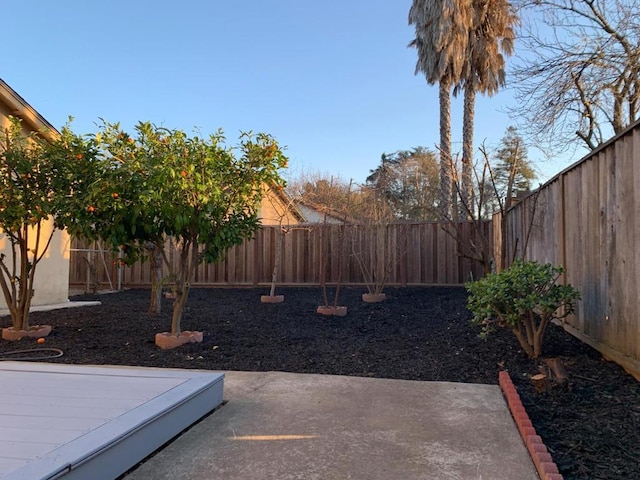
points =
(115, 447)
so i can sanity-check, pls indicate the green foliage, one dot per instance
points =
(513, 166)
(159, 183)
(407, 181)
(132, 191)
(523, 298)
(38, 183)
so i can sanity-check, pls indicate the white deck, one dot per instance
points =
(71, 421)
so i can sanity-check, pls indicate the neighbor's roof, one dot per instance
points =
(322, 210)
(290, 204)
(19, 108)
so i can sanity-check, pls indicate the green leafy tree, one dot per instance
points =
(407, 181)
(523, 298)
(195, 190)
(38, 180)
(125, 206)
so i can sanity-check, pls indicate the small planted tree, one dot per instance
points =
(37, 180)
(281, 207)
(193, 189)
(326, 308)
(523, 298)
(371, 244)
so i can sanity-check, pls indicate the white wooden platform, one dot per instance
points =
(89, 422)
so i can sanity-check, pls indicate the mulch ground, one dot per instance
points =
(591, 427)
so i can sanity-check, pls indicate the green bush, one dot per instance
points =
(523, 298)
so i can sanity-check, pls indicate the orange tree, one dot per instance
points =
(121, 206)
(195, 189)
(38, 179)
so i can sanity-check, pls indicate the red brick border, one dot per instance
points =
(545, 465)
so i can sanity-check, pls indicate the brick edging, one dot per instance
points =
(547, 469)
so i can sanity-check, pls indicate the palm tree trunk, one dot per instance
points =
(466, 192)
(445, 150)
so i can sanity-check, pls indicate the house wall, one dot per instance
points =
(312, 215)
(274, 209)
(51, 283)
(52, 274)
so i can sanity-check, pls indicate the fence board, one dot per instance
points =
(588, 221)
(417, 253)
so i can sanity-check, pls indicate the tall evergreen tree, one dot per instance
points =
(513, 173)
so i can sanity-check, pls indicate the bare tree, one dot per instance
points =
(474, 238)
(323, 191)
(371, 244)
(282, 207)
(580, 82)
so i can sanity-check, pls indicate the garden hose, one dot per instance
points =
(56, 352)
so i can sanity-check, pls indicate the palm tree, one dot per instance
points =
(492, 36)
(441, 36)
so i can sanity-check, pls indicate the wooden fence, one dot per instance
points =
(587, 218)
(416, 254)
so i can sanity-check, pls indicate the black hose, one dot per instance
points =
(56, 353)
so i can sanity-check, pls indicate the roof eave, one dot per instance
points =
(19, 108)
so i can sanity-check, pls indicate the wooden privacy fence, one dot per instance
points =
(416, 254)
(587, 218)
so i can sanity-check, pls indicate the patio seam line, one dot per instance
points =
(546, 467)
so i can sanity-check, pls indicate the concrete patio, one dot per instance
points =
(293, 426)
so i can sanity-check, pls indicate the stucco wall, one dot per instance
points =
(273, 209)
(51, 284)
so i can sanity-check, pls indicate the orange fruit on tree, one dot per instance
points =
(40, 340)
(91, 208)
(115, 195)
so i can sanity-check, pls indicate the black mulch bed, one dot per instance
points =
(592, 428)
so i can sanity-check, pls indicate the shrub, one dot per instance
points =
(523, 298)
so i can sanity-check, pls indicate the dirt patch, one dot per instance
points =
(592, 427)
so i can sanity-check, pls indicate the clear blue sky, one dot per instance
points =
(333, 81)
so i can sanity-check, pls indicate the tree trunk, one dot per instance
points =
(445, 150)
(522, 339)
(155, 255)
(276, 262)
(537, 343)
(23, 314)
(178, 307)
(188, 264)
(540, 382)
(466, 191)
(558, 372)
